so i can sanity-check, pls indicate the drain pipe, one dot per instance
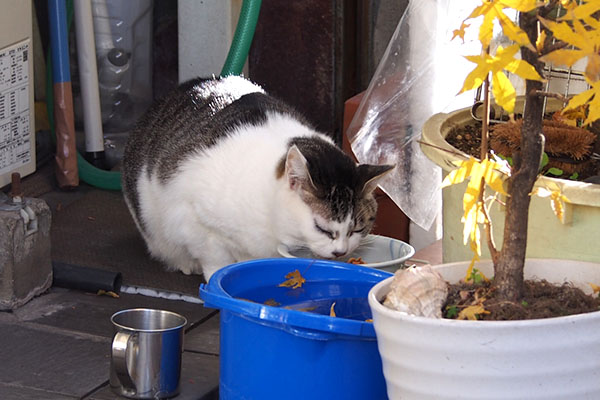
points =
(62, 93)
(234, 64)
(88, 78)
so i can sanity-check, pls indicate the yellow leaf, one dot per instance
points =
(477, 76)
(460, 32)
(566, 57)
(592, 69)
(557, 200)
(580, 99)
(472, 312)
(513, 32)
(486, 30)
(563, 31)
(459, 175)
(586, 41)
(594, 107)
(504, 59)
(570, 116)
(539, 43)
(591, 22)
(471, 265)
(523, 69)
(595, 287)
(471, 230)
(331, 310)
(480, 10)
(520, 5)
(294, 280)
(491, 173)
(493, 177)
(504, 92)
(584, 10)
(583, 99)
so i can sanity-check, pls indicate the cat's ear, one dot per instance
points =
(372, 175)
(296, 169)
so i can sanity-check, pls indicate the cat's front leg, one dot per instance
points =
(211, 255)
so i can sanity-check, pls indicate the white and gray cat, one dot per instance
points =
(219, 172)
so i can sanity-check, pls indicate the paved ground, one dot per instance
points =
(57, 346)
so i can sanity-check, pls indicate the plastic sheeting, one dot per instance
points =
(419, 75)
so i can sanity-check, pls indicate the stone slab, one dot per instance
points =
(9, 392)
(205, 337)
(90, 313)
(50, 361)
(199, 379)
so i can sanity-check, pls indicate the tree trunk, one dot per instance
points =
(508, 271)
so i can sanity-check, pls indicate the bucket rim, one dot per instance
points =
(215, 296)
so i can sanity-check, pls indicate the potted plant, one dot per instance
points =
(581, 200)
(557, 357)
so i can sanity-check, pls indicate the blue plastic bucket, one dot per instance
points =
(281, 352)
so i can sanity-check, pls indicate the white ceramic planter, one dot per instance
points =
(437, 359)
(573, 238)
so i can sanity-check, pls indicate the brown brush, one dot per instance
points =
(568, 147)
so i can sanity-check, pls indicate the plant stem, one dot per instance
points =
(508, 271)
(485, 126)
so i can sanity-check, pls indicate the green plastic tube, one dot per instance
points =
(234, 64)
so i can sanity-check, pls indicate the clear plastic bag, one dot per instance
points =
(420, 74)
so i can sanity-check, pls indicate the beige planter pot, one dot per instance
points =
(576, 237)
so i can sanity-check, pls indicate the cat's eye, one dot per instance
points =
(325, 231)
(361, 230)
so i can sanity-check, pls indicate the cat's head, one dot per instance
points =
(340, 208)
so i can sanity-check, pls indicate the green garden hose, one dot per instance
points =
(234, 64)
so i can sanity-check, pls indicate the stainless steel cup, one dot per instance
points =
(146, 353)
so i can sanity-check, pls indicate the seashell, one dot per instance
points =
(417, 291)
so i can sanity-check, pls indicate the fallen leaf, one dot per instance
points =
(294, 280)
(271, 302)
(331, 310)
(110, 293)
(595, 287)
(355, 260)
(369, 320)
(472, 312)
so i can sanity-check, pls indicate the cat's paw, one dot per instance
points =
(209, 270)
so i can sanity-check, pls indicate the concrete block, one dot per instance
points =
(25, 259)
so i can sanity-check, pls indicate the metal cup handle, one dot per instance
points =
(119, 359)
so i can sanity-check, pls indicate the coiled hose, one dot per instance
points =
(236, 57)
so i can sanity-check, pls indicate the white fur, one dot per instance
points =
(226, 205)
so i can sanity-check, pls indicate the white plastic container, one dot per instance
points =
(123, 36)
(441, 359)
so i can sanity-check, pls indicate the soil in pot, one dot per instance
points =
(468, 140)
(541, 299)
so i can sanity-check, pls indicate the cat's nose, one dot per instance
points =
(338, 253)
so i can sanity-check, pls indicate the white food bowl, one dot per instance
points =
(380, 252)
